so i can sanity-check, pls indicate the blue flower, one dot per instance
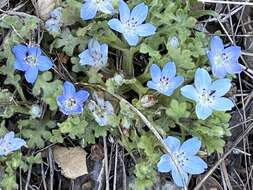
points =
(10, 144)
(223, 60)
(101, 109)
(71, 102)
(208, 94)
(164, 81)
(185, 156)
(130, 24)
(53, 24)
(30, 60)
(96, 55)
(90, 8)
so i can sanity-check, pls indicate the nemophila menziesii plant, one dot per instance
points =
(130, 23)
(140, 72)
(223, 60)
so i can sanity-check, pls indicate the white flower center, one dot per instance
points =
(164, 83)
(220, 59)
(130, 25)
(31, 60)
(70, 103)
(206, 97)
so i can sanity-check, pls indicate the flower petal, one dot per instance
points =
(222, 104)
(124, 11)
(175, 82)
(131, 38)
(94, 46)
(116, 25)
(216, 45)
(194, 165)
(34, 51)
(202, 79)
(139, 13)
(81, 96)
(145, 30)
(232, 54)
(173, 143)
(21, 65)
(106, 7)
(31, 74)
(20, 51)
(86, 59)
(234, 68)
(219, 71)
(152, 85)
(169, 70)
(109, 108)
(17, 143)
(44, 63)
(203, 111)
(155, 72)
(68, 89)
(104, 52)
(180, 177)
(190, 92)
(164, 165)
(221, 87)
(191, 146)
(88, 10)
(9, 136)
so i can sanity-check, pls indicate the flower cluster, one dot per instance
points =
(100, 109)
(54, 22)
(185, 160)
(30, 60)
(10, 144)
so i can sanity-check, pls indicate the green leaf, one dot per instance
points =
(177, 110)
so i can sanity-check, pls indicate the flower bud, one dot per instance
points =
(148, 100)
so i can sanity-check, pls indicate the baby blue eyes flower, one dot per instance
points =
(30, 60)
(130, 23)
(100, 109)
(10, 144)
(53, 24)
(90, 8)
(96, 55)
(223, 60)
(185, 155)
(164, 81)
(208, 94)
(71, 102)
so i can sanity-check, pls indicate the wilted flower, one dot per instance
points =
(96, 55)
(164, 81)
(30, 60)
(187, 161)
(130, 23)
(90, 8)
(208, 94)
(36, 111)
(223, 60)
(53, 23)
(101, 109)
(173, 42)
(10, 144)
(71, 102)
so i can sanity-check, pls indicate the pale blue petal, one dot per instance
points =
(203, 111)
(167, 92)
(81, 96)
(216, 45)
(221, 87)
(164, 165)
(222, 104)
(9, 136)
(191, 146)
(175, 82)
(124, 11)
(202, 79)
(20, 51)
(17, 143)
(106, 7)
(131, 38)
(219, 71)
(173, 143)
(231, 54)
(44, 63)
(152, 85)
(190, 92)
(34, 51)
(108, 107)
(211, 56)
(88, 10)
(94, 46)
(194, 165)
(60, 100)
(180, 177)
(155, 72)
(21, 65)
(86, 59)
(169, 70)
(31, 74)
(145, 30)
(104, 52)
(234, 68)
(68, 89)
(116, 25)
(139, 13)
